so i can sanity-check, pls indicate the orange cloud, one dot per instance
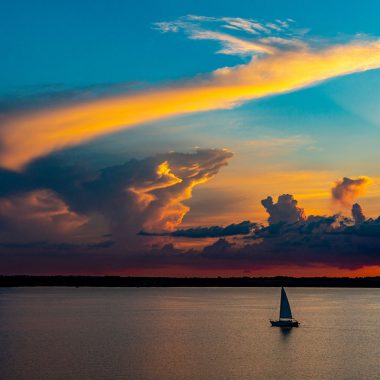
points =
(161, 200)
(34, 134)
(346, 190)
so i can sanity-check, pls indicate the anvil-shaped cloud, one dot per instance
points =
(49, 199)
(275, 70)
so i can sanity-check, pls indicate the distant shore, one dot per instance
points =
(116, 281)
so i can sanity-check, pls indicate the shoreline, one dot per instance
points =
(119, 281)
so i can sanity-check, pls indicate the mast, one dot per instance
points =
(285, 311)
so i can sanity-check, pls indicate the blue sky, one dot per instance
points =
(79, 43)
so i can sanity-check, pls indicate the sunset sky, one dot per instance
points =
(144, 138)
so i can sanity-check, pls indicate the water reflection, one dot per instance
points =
(186, 333)
(285, 332)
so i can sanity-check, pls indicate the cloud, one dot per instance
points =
(166, 27)
(243, 228)
(122, 199)
(164, 209)
(276, 70)
(357, 213)
(346, 190)
(246, 25)
(308, 242)
(296, 249)
(233, 45)
(281, 42)
(192, 24)
(285, 210)
(369, 228)
(37, 214)
(316, 242)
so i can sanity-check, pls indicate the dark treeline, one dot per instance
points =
(113, 281)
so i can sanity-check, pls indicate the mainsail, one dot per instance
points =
(285, 311)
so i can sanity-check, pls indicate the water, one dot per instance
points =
(187, 333)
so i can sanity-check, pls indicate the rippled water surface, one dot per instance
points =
(187, 333)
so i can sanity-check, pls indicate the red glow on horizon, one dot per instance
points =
(177, 271)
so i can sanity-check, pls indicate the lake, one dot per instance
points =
(187, 333)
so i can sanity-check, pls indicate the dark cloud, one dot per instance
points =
(302, 244)
(285, 210)
(368, 228)
(243, 228)
(318, 240)
(357, 213)
(334, 241)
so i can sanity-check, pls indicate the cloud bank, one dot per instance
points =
(308, 242)
(273, 69)
(290, 240)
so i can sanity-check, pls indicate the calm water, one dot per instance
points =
(187, 333)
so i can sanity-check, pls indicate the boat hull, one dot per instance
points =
(285, 323)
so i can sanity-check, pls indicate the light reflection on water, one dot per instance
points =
(187, 333)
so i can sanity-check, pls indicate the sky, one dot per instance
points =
(190, 138)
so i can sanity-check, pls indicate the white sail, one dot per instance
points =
(285, 311)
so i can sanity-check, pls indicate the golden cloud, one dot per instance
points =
(24, 137)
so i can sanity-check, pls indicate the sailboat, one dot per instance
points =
(286, 318)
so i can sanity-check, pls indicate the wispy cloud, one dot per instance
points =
(233, 45)
(251, 37)
(246, 25)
